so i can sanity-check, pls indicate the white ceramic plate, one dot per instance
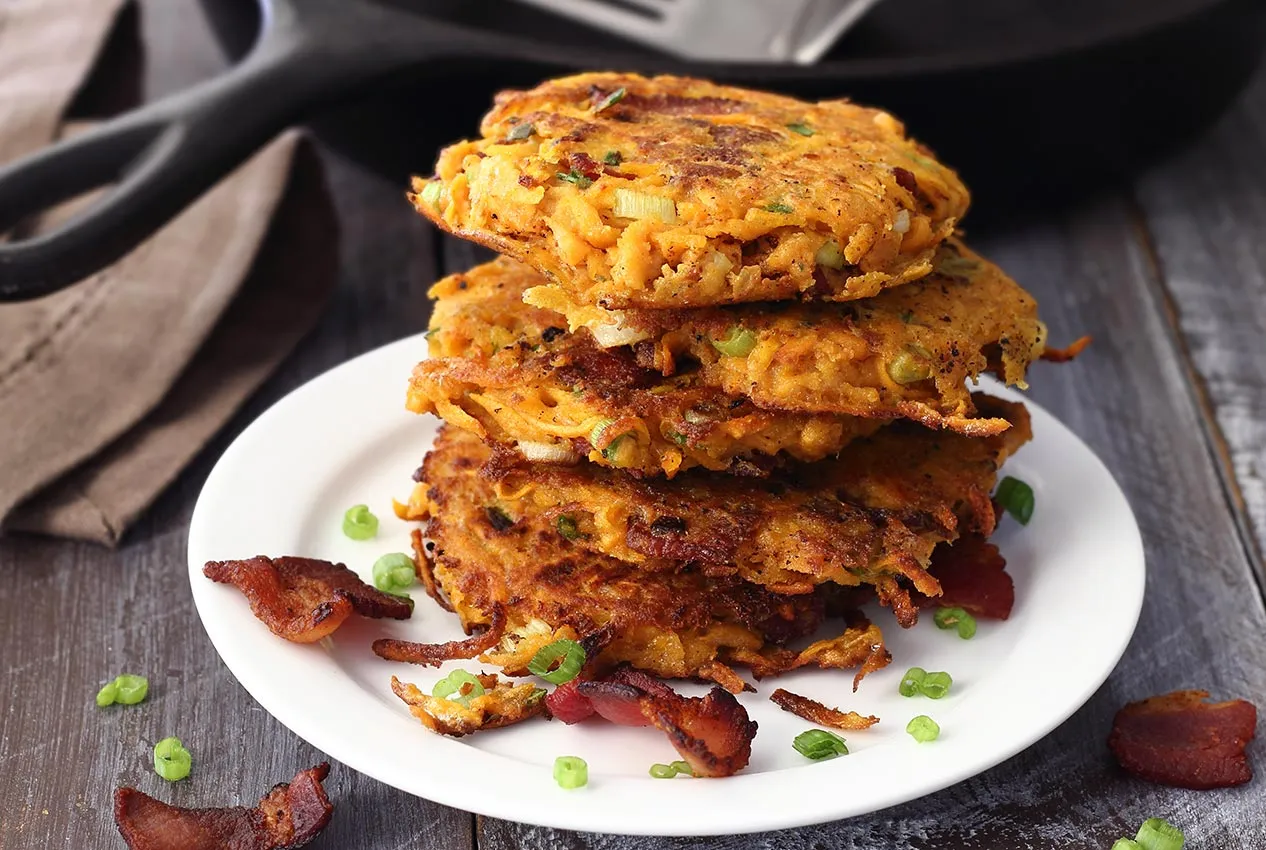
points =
(344, 438)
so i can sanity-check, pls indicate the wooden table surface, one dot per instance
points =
(1169, 275)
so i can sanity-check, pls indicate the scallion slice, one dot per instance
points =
(129, 689)
(459, 686)
(629, 203)
(571, 772)
(432, 193)
(574, 177)
(908, 368)
(171, 760)
(819, 744)
(923, 729)
(779, 207)
(1016, 498)
(738, 342)
(520, 132)
(801, 128)
(572, 656)
(830, 255)
(1160, 834)
(911, 680)
(612, 158)
(567, 527)
(394, 572)
(1126, 844)
(610, 100)
(956, 618)
(107, 695)
(936, 685)
(359, 523)
(683, 767)
(663, 771)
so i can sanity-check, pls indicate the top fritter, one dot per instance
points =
(673, 192)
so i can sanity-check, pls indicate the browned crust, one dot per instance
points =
(816, 712)
(435, 654)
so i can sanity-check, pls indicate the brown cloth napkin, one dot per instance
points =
(108, 389)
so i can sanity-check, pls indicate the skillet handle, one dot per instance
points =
(165, 155)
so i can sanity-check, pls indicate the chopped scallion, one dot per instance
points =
(359, 523)
(107, 695)
(1016, 498)
(459, 686)
(432, 193)
(830, 255)
(568, 528)
(923, 729)
(936, 685)
(171, 760)
(129, 689)
(911, 681)
(907, 368)
(956, 618)
(663, 771)
(819, 744)
(628, 203)
(394, 572)
(571, 772)
(683, 767)
(610, 100)
(570, 656)
(678, 437)
(1160, 834)
(1126, 844)
(612, 158)
(801, 128)
(576, 178)
(520, 132)
(779, 207)
(738, 342)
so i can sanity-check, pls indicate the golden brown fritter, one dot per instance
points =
(676, 192)
(871, 516)
(907, 352)
(513, 375)
(668, 621)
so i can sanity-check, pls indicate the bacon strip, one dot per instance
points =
(288, 816)
(1180, 739)
(712, 733)
(1063, 355)
(502, 704)
(973, 576)
(303, 599)
(816, 712)
(434, 654)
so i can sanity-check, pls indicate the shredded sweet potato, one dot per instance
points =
(434, 654)
(816, 712)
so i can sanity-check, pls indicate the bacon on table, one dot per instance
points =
(288, 816)
(1181, 739)
(816, 712)
(501, 704)
(712, 733)
(973, 576)
(303, 599)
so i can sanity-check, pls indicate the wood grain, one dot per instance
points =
(1204, 211)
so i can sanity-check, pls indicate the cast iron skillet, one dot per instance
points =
(1023, 94)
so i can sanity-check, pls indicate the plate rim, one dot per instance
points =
(458, 783)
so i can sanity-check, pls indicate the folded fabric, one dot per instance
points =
(108, 389)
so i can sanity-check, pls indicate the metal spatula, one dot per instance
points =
(722, 30)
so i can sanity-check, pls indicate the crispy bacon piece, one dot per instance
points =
(434, 654)
(1180, 739)
(1068, 352)
(816, 712)
(861, 645)
(712, 733)
(567, 703)
(290, 815)
(973, 577)
(501, 704)
(303, 599)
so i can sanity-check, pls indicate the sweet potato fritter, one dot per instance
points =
(816, 712)
(1182, 739)
(303, 599)
(671, 622)
(908, 352)
(513, 375)
(670, 192)
(288, 816)
(872, 515)
(501, 704)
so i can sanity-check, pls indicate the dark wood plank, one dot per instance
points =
(1205, 210)
(73, 615)
(1130, 400)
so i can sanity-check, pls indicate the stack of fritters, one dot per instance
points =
(717, 387)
